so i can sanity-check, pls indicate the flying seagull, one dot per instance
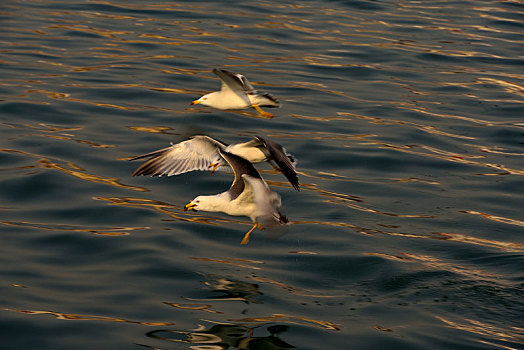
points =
(237, 93)
(202, 152)
(249, 195)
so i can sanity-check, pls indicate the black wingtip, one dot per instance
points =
(290, 175)
(284, 161)
(293, 179)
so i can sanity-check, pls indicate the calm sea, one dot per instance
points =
(407, 121)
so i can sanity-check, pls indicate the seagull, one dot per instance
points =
(202, 152)
(249, 195)
(237, 93)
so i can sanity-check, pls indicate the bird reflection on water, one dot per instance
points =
(244, 333)
(231, 289)
(225, 336)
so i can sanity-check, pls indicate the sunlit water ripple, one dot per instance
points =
(407, 122)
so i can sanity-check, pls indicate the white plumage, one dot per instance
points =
(237, 93)
(249, 195)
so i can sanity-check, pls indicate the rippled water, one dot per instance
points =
(406, 118)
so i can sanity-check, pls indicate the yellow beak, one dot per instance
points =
(190, 206)
(195, 102)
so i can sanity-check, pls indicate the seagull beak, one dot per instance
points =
(195, 102)
(190, 206)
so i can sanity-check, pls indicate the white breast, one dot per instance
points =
(227, 100)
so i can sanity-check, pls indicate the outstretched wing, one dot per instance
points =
(285, 161)
(197, 153)
(234, 81)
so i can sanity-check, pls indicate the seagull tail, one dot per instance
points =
(268, 101)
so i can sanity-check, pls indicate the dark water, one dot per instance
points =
(407, 120)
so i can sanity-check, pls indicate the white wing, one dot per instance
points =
(197, 153)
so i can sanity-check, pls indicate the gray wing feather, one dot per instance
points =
(240, 85)
(267, 202)
(234, 81)
(197, 153)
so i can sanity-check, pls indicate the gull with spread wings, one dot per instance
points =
(204, 153)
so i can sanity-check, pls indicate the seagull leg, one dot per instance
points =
(262, 112)
(246, 236)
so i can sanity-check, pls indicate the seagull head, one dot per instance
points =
(208, 203)
(202, 100)
(192, 205)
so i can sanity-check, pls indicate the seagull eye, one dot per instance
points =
(197, 201)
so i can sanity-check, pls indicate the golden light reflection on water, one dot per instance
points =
(291, 289)
(75, 317)
(458, 237)
(495, 218)
(497, 150)
(509, 87)
(349, 200)
(388, 121)
(428, 151)
(443, 155)
(374, 211)
(510, 334)
(290, 319)
(153, 129)
(195, 307)
(302, 252)
(67, 97)
(73, 170)
(54, 132)
(68, 138)
(439, 264)
(451, 236)
(110, 231)
(233, 262)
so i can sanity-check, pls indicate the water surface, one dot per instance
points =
(406, 120)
